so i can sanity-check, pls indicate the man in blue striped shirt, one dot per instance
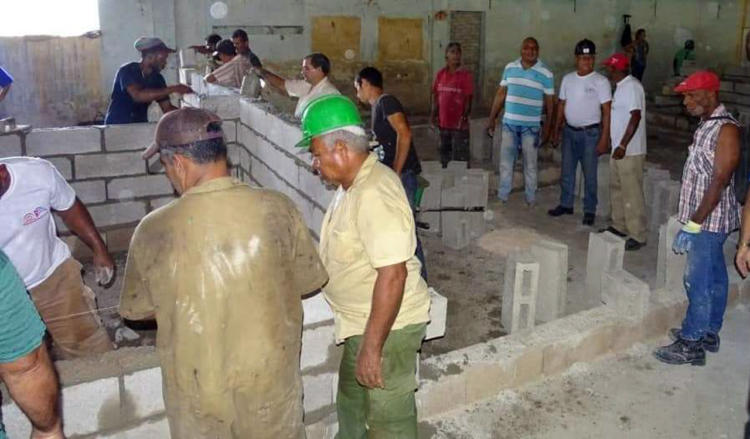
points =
(526, 88)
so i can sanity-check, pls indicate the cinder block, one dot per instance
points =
(441, 396)
(90, 407)
(486, 380)
(131, 136)
(742, 88)
(627, 294)
(118, 213)
(58, 141)
(459, 228)
(553, 286)
(109, 165)
(453, 197)
(431, 167)
(432, 193)
(63, 165)
(438, 315)
(143, 389)
(650, 179)
(230, 130)
(664, 204)
(316, 343)
(475, 183)
(142, 186)
(480, 146)
(528, 366)
(226, 107)
(670, 267)
(10, 145)
(187, 58)
(605, 253)
(119, 239)
(456, 165)
(152, 429)
(186, 75)
(318, 391)
(315, 310)
(159, 202)
(92, 191)
(520, 292)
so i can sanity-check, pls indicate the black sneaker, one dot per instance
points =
(711, 341)
(631, 244)
(588, 219)
(682, 352)
(560, 210)
(613, 231)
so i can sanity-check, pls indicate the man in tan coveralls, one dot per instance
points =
(222, 269)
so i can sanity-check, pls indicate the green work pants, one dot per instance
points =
(381, 413)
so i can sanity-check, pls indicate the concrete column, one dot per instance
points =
(520, 292)
(627, 294)
(606, 252)
(553, 286)
(670, 267)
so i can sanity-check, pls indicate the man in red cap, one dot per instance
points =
(628, 141)
(709, 211)
(222, 269)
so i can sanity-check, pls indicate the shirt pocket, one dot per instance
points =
(344, 247)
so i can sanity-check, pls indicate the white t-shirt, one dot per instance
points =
(584, 96)
(27, 229)
(306, 92)
(629, 96)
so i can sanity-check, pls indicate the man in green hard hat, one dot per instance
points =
(379, 300)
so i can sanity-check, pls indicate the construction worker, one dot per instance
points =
(379, 300)
(222, 269)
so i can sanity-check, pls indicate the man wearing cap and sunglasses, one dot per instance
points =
(222, 269)
(709, 211)
(628, 140)
(380, 302)
(233, 67)
(139, 83)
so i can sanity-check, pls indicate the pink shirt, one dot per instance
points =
(451, 90)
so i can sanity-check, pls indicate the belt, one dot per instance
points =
(587, 127)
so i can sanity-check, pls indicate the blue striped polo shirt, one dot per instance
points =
(524, 99)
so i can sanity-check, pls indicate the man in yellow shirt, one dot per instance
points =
(222, 269)
(379, 300)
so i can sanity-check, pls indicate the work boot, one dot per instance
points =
(711, 341)
(613, 231)
(632, 245)
(588, 219)
(682, 352)
(560, 210)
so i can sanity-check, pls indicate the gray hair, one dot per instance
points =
(201, 152)
(356, 142)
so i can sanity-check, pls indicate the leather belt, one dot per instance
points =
(587, 127)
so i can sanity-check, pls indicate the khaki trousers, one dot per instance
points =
(68, 309)
(626, 192)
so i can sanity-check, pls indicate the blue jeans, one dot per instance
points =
(409, 180)
(579, 146)
(517, 138)
(706, 284)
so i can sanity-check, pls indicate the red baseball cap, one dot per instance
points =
(618, 61)
(700, 80)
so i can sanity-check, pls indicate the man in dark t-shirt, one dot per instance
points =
(137, 84)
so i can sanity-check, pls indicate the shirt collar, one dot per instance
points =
(216, 184)
(627, 78)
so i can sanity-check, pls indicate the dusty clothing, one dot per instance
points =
(366, 227)
(223, 268)
(231, 73)
(626, 194)
(68, 308)
(307, 92)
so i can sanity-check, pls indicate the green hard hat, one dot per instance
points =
(326, 114)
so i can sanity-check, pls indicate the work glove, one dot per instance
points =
(683, 242)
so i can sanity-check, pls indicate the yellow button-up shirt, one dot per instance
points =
(366, 227)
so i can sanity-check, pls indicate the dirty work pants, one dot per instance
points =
(389, 413)
(454, 145)
(515, 139)
(626, 194)
(579, 145)
(68, 309)
(706, 285)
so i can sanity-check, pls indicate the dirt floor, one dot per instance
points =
(626, 395)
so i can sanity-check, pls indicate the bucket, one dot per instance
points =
(5, 78)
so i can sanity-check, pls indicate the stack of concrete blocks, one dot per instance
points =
(465, 189)
(520, 292)
(666, 196)
(553, 285)
(625, 293)
(606, 252)
(670, 267)
(603, 208)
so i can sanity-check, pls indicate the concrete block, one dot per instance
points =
(226, 107)
(528, 366)
(188, 58)
(670, 267)
(142, 186)
(431, 167)
(475, 184)
(119, 239)
(432, 219)
(143, 389)
(63, 165)
(664, 203)
(520, 292)
(432, 193)
(152, 429)
(438, 315)
(131, 136)
(605, 253)
(90, 407)
(315, 310)
(186, 75)
(441, 396)
(480, 146)
(78, 249)
(458, 165)
(318, 391)
(316, 344)
(486, 380)
(10, 145)
(109, 165)
(627, 294)
(92, 191)
(161, 201)
(57, 141)
(453, 197)
(650, 179)
(118, 213)
(742, 88)
(460, 228)
(198, 84)
(553, 286)
(230, 130)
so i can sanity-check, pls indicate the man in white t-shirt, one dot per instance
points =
(628, 135)
(30, 190)
(584, 106)
(315, 69)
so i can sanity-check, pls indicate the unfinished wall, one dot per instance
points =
(56, 80)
